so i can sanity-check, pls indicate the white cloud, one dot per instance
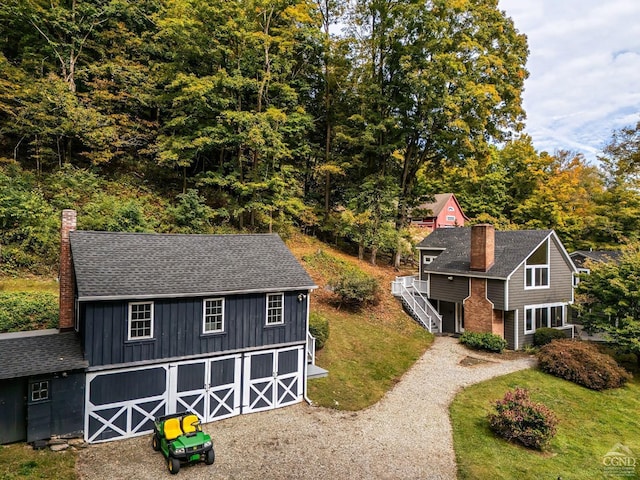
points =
(584, 63)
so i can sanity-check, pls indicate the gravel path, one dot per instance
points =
(407, 435)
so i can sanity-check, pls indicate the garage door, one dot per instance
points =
(273, 379)
(124, 403)
(210, 387)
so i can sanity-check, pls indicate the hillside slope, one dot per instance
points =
(368, 350)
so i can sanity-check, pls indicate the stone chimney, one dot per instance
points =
(482, 247)
(65, 278)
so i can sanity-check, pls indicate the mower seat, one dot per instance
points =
(187, 423)
(172, 428)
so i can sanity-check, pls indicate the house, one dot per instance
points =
(152, 324)
(580, 258)
(476, 279)
(443, 212)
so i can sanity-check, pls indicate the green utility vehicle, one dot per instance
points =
(180, 438)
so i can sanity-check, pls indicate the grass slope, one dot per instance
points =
(20, 461)
(367, 351)
(590, 425)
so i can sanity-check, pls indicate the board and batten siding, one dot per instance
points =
(177, 329)
(454, 290)
(560, 289)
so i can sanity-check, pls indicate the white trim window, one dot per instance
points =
(213, 315)
(140, 323)
(427, 259)
(451, 218)
(275, 308)
(538, 316)
(537, 268)
(40, 391)
(451, 209)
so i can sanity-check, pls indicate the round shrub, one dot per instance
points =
(546, 335)
(319, 328)
(581, 363)
(483, 341)
(356, 288)
(518, 419)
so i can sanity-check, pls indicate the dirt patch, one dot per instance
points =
(473, 361)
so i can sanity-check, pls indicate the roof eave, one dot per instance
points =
(91, 298)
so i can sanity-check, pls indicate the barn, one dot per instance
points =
(164, 323)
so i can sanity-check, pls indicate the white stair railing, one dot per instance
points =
(311, 349)
(424, 312)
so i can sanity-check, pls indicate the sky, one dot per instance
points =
(584, 70)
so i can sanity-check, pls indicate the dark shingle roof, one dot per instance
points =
(143, 265)
(511, 249)
(39, 352)
(580, 256)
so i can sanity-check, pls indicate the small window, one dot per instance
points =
(275, 308)
(427, 259)
(451, 209)
(40, 391)
(140, 320)
(451, 218)
(213, 316)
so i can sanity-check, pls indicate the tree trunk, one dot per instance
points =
(360, 251)
(374, 254)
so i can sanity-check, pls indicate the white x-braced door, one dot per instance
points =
(272, 379)
(208, 387)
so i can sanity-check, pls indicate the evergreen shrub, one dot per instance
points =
(546, 335)
(483, 341)
(319, 328)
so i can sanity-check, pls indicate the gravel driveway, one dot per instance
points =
(407, 435)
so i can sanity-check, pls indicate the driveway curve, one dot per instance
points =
(407, 435)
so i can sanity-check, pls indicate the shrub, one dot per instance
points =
(319, 328)
(582, 363)
(483, 341)
(355, 288)
(545, 335)
(22, 311)
(518, 419)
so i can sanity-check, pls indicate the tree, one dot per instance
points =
(609, 299)
(440, 80)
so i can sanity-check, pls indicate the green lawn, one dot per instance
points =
(365, 357)
(31, 284)
(590, 424)
(20, 461)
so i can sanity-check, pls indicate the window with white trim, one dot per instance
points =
(537, 268)
(213, 315)
(451, 209)
(40, 391)
(427, 259)
(275, 308)
(140, 320)
(549, 316)
(451, 218)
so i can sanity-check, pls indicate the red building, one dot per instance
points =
(443, 212)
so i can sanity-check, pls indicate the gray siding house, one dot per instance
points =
(509, 283)
(164, 323)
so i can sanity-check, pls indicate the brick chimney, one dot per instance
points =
(482, 247)
(65, 278)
